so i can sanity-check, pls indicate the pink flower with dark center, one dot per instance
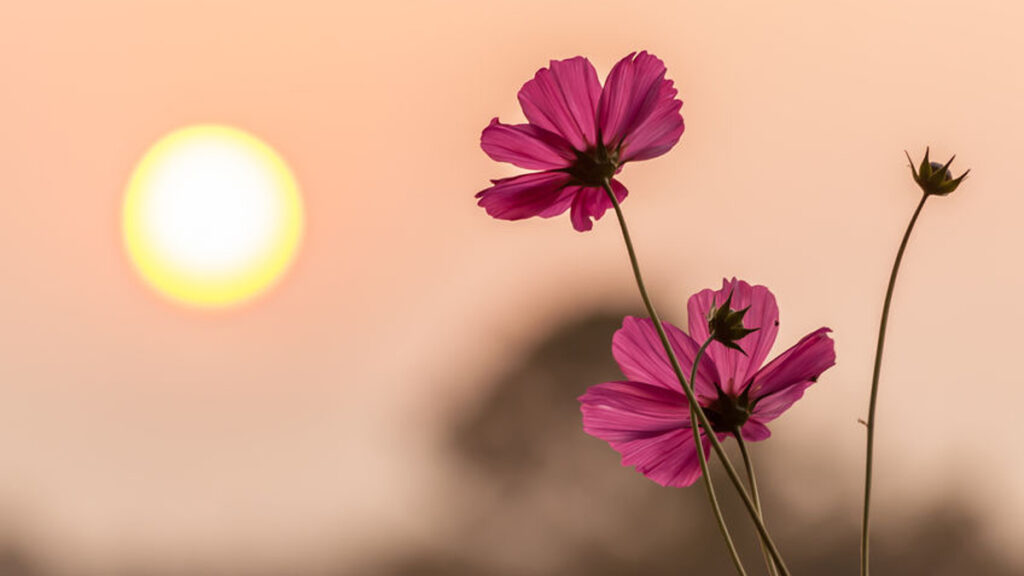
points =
(579, 135)
(647, 417)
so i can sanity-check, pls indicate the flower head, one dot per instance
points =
(646, 418)
(934, 178)
(725, 325)
(579, 135)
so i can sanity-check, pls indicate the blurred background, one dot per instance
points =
(403, 401)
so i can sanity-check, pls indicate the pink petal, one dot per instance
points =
(526, 146)
(591, 203)
(754, 431)
(734, 368)
(619, 411)
(669, 459)
(638, 110)
(563, 99)
(771, 407)
(783, 381)
(641, 357)
(649, 426)
(541, 194)
(659, 132)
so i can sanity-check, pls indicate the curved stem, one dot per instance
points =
(706, 472)
(748, 463)
(715, 444)
(868, 467)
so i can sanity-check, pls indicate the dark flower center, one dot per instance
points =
(727, 413)
(594, 166)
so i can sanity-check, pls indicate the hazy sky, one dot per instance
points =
(305, 425)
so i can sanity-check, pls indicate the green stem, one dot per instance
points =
(748, 463)
(730, 470)
(864, 540)
(706, 472)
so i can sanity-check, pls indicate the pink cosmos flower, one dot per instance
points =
(647, 419)
(579, 135)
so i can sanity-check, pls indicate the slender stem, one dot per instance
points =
(730, 470)
(706, 472)
(748, 463)
(868, 467)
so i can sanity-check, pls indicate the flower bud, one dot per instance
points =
(934, 178)
(725, 325)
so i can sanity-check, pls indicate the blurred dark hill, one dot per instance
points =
(562, 505)
(14, 562)
(544, 499)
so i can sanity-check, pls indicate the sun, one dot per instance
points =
(212, 216)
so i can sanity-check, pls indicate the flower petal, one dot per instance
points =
(659, 132)
(617, 411)
(754, 431)
(526, 146)
(669, 459)
(783, 381)
(541, 194)
(591, 203)
(563, 99)
(638, 110)
(734, 368)
(641, 357)
(771, 407)
(648, 425)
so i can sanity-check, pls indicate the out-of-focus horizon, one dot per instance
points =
(312, 430)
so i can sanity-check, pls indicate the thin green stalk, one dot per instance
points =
(748, 463)
(868, 467)
(706, 472)
(702, 418)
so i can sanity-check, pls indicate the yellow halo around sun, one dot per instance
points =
(212, 216)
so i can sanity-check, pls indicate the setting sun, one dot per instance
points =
(212, 216)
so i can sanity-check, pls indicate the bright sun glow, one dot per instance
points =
(212, 216)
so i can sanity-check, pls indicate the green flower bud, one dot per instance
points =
(934, 178)
(725, 325)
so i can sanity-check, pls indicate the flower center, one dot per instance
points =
(594, 166)
(727, 413)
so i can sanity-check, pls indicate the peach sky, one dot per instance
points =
(306, 425)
